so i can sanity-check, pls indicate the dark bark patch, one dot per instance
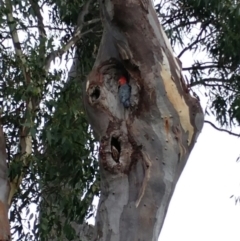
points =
(146, 136)
(94, 93)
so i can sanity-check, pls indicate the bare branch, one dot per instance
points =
(200, 67)
(46, 26)
(220, 129)
(214, 83)
(207, 80)
(182, 25)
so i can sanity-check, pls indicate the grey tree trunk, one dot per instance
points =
(4, 191)
(143, 149)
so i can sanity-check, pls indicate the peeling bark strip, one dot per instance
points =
(144, 148)
(4, 191)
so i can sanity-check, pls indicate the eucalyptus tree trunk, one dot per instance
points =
(4, 191)
(153, 137)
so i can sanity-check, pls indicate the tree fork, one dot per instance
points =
(143, 149)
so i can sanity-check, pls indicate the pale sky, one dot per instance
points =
(201, 208)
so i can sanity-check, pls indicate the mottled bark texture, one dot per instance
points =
(154, 137)
(4, 191)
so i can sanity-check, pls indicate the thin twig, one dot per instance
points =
(207, 80)
(92, 21)
(220, 129)
(46, 27)
(194, 42)
(200, 67)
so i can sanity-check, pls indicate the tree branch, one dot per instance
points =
(41, 29)
(199, 67)
(25, 137)
(207, 80)
(225, 83)
(220, 129)
(194, 42)
(46, 27)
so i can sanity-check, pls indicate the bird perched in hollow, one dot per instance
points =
(115, 154)
(124, 91)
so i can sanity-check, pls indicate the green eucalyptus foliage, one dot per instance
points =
(61, 174)
(69, 166)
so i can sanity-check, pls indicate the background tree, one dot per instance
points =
(39, 141)
(42, 120)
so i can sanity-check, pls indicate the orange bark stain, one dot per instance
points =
(4, 223)
(167, 126)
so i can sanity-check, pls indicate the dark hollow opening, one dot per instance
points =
(95, 94)
(116, 149)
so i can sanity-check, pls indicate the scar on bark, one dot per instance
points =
(167, 126)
